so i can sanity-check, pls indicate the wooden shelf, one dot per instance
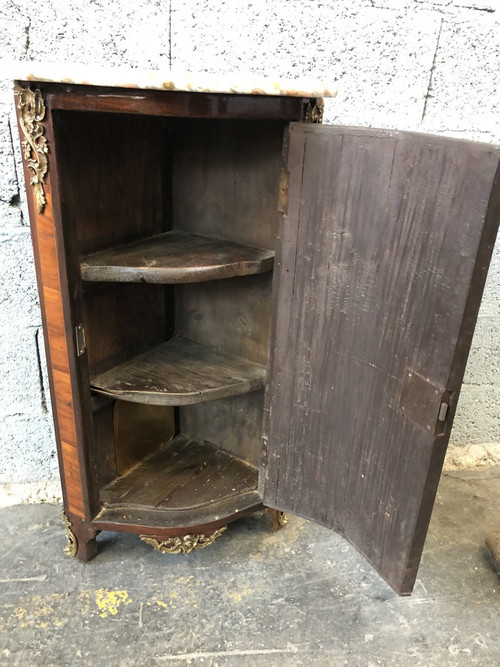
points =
(175, 257)
(180, 372)
(181, 483)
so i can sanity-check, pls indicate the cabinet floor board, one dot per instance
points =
(181, 479)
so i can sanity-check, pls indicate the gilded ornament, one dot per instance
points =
(282, 519)
(31, 113)
(314, 111)
(183, 544)
(71, 548)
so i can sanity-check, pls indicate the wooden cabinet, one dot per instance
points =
(244, 309)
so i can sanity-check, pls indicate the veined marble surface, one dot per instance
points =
(121, 77)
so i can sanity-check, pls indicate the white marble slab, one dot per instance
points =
(121, 77)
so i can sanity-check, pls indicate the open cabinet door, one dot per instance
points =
(381, 262)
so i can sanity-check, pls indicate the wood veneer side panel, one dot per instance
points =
(74, 392)
(50, 273)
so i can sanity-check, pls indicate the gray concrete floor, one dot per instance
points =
(301, 596)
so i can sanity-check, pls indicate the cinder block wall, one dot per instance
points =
(425, 65)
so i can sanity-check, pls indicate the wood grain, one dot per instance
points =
(180, 372)
(55, 328)
(384, 237)
(234, 169)
(103, 159)
(184, 478)
(173, 103)
(234, 424)
(164, 523)
(51, 298)
(138, 430)
(122, 320)
(175, 257)
(73, 480)
(182, 475)
(225, 179)
(47, 250)
(64, 406)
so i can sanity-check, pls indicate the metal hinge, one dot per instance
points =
(283, 196)
(80, 340)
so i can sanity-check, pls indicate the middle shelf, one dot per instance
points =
(180, 372)
(175, 257)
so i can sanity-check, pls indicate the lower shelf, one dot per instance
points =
(183, 483)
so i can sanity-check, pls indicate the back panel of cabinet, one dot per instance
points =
(225, 184)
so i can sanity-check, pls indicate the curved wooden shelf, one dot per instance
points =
(180, 372)
(182, 483)
(175, 257)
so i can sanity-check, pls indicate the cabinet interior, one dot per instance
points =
(169, 226)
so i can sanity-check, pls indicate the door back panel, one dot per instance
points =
(381, 262)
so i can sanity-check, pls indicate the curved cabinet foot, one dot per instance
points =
(81, 538)
(275, 519)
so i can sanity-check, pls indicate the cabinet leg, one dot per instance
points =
(81, 539)
(275, 519)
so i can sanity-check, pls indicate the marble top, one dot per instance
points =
(121, 77)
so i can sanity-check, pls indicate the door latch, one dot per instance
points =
(444, 409)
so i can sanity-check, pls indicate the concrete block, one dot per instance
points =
(20, 202)
(490, 304)
(483, 366)
(454, 7)
(15, 26)
(123, 32)
(478, 417)
(441, 4)
(10, 216)
(9, 189)
(28, 449)
(20, 379)
(394, 5)
(18, 294)
(379, 59)
(48, 491)
(461, 94)
(489, 6)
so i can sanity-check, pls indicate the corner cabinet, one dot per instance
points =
(245, 310)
